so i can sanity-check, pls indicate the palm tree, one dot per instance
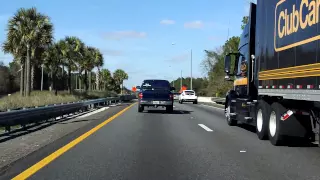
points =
(87, 64)
(71, 48)
(98, 62)
(29, 30)
(52, 61)
(106, 78)
(19, 55)
(119, 76)
(93, 79)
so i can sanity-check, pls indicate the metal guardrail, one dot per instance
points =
(34, 115)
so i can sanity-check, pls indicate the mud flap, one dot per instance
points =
(295, 126)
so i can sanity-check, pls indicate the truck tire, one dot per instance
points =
(274, 124)
(169, 109)
(140, 108)
(262, 119)
(195, 102)
(230, 120)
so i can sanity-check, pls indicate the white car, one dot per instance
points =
(188, 96)
(176, 96)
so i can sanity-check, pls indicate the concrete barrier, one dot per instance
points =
(205, 99)
(217, 100)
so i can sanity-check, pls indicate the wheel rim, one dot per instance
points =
(227, 113)
(273, 123)
(259, 120)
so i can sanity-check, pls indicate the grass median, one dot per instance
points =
(41, 98)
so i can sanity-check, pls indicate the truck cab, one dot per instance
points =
(239, 68)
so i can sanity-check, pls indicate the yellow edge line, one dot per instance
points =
(45, 161)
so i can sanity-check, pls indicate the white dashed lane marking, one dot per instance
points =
(205, 127)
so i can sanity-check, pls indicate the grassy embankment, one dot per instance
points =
(41, 98)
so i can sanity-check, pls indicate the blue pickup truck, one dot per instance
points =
(155, 93)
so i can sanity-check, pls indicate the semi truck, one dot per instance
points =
(276, 72)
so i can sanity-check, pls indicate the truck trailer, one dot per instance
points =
(276, 72)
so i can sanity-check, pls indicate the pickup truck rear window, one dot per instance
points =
(155, 84)
(189, 92)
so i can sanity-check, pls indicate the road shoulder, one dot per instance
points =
(28, 149)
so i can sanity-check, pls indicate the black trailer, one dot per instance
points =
(276, 71)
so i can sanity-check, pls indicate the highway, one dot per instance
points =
(193, 142)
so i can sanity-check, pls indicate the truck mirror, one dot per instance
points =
(172, 89)
(227, 64)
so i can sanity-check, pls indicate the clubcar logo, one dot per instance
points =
(292, 17)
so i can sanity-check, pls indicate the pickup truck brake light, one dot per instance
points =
(171, 96)
(140, 95)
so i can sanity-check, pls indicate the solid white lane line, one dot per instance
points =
(212, 107)
(205, 127)
(94, 112)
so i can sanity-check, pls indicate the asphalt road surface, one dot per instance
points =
(193, 142)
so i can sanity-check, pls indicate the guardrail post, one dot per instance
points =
(7, 128)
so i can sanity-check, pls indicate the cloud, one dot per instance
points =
(194, 25)
(167, 22)
(139, 48)
(112, 52)
(118, 35)
(180, 58)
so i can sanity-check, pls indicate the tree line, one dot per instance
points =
(40, 62)
(213, 65)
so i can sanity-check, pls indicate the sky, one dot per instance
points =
(145, 38)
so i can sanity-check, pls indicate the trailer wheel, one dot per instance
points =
(262, 119)
(230, 120)
(275, 128)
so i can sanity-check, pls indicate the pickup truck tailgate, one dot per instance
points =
(161, 95)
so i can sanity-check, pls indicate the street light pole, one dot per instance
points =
(42, 77)
(191, 69)
(181, 80)
(191, 72)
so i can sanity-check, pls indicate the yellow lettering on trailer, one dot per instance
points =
(289, 21)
